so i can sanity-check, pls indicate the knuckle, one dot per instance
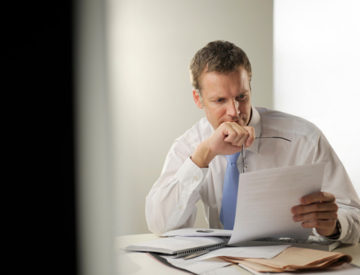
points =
(316, 215)
(294, 210)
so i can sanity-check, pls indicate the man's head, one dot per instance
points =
(221, 74)
(218, 56)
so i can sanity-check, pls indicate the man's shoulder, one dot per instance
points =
(281, 121)
(201, 130)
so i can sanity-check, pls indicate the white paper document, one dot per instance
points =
(265, 199)
(264, 252)
(226, 270)
(197, 267)
(198, 232)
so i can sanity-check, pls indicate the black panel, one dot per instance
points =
(39, 172)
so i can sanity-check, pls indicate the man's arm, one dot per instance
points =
(171, 203)
(227, 139)
(321, 211)
(335, 209)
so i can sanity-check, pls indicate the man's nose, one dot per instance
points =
(233, 108)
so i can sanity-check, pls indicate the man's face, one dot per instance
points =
(225, 97)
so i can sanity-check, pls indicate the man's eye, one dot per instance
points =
(241, 98)
(220, 100)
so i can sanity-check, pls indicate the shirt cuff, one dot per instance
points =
(344, 225)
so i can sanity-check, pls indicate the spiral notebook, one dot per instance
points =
(179, 246)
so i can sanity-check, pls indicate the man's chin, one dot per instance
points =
(240, 122)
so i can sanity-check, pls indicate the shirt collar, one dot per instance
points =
(255, 122)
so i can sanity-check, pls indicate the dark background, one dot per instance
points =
(39, 169)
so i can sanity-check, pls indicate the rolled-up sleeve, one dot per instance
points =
(171, 202)
(349, 218)
(337, 182)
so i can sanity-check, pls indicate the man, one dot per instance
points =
(196, 166)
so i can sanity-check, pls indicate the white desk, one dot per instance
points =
(144, 264)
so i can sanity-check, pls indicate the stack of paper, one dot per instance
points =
(293, 259)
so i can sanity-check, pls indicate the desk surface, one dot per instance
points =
(143, 263)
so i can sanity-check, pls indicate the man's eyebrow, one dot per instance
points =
(244, 92)
(215, 96)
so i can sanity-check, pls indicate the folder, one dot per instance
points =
(294, 259)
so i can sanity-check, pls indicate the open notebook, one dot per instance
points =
(179, 246)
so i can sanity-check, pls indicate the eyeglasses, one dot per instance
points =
(243, 151)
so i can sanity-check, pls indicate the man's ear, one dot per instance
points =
(197, 99)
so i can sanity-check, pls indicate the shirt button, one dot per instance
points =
(196, 178)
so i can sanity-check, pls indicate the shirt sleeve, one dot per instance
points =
(171, 202)
(337, 182)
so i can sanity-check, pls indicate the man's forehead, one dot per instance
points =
(216, 93)
(214, 79)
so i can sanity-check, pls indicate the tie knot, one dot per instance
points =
(233, 158)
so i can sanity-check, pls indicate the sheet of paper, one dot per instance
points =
(198, 267)
(198, 232)
(227, 270)
(265, 198)
(263, 252)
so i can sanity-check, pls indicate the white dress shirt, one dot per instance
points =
(171, 202)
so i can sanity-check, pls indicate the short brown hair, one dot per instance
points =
(218, 56)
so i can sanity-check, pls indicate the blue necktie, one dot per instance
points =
(230, 189)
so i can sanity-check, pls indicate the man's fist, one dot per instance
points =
(317, 210)
(227, 139)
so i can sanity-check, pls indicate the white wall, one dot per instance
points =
(317, 69)
(150, 45)
(94, 185)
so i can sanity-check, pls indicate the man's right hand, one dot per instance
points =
(227, 139)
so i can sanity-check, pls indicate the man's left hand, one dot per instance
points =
(317, 210)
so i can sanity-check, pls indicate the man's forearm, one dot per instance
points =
(202, 155)
(171, 203)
